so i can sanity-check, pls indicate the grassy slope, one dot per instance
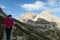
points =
(33, 34)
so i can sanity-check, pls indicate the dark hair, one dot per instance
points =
(9, 16)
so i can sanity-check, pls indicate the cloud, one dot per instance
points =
(55, 10)
(35, 6)
(2, 6)
(53, 2)
(40, 5)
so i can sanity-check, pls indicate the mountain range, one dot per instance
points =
(47, 15)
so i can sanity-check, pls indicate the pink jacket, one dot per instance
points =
(8, 22)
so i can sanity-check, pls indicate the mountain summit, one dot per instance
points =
(47, 15)
(28, 15)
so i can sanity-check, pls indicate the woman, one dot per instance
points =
(9, 23)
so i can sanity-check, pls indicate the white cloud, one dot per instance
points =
(2, 6)
(55, 4)
(55, 10)
(51, 2)
(40, 5)
(36, 6)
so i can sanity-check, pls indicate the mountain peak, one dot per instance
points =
(28, 15)
(46, 12)
(47, 16)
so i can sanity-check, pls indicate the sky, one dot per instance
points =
(18, 7)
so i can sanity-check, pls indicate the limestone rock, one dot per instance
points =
(26, 16)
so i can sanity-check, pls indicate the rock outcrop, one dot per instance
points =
(24, 17)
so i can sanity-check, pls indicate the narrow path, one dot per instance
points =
(4, 38)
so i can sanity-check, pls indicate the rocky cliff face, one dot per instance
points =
(45, 25)
(48, 29)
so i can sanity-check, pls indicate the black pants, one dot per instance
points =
(8, 33)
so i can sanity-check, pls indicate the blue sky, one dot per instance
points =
(17, 7)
